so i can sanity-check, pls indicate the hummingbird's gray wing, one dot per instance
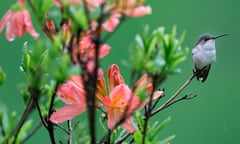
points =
(202, 74)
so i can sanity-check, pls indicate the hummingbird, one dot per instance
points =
(204, 54)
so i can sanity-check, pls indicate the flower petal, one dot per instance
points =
(67, 113)
(104, 50)
(120, 99)
(5, 20)
(112, 22)
(69, 93)
(128, 126)
(138, 11)
(28, 24)
(120, 96)
(114, 77)
(156, 95)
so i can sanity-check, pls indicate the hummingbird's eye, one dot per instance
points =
(206, 39)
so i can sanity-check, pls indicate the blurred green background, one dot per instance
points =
(211, 118)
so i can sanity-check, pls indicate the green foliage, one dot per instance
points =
(2, 76)
(79, 17)
(80, 133)
(152, 131)
(17, 7)
(7, 125)
(158, 53)
(41, 7)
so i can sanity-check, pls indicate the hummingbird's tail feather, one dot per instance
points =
(202, 74)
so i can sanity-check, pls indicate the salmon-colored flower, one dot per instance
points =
(17, 23)
(133, 8)
(112, 22)
(123, 101)
(85, 52)
(138, 11)
(72, 93)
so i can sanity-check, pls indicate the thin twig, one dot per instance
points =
(62, 128)
(157, 101)
(148, 112)
(50, 111)
(40, 114)
(171, 99)
(126, 116)
(185, 97)
(70, 129)
(27, 111)
(122, 139)
(90, 78)
(32, 133)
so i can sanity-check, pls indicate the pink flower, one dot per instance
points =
(85, 50)
(17, 23)
(112, 22)
(123, 100)
(72, 93)
(138, 11)
(133, 8)
(96, 2)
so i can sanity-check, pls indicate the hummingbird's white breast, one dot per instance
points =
(204, 53)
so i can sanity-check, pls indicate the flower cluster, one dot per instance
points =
(79, 35)
(120, 101)
(17, 22)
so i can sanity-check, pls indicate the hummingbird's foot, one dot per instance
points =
(195, 71)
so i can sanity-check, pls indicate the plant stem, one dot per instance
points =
(148, 112)
(27, 111)
(70, 129)
(171, 99)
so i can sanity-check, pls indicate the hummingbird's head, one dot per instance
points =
(206, 38)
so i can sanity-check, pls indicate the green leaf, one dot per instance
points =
(152, 44)
(167, 140)
(2, 76)
(9, 122)
(140, 121)
(138, 137)
(158, 127)
(17, 7)
(23, 132)
(45, 5)
(80, 18)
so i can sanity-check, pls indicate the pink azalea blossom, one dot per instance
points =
(131, 8)
(112, 22)
(73, 95)
(138, 11)
(86, 51)
(17, 23)
(122, 98)
(96, 2)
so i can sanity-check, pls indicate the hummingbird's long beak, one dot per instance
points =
(220, 36)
